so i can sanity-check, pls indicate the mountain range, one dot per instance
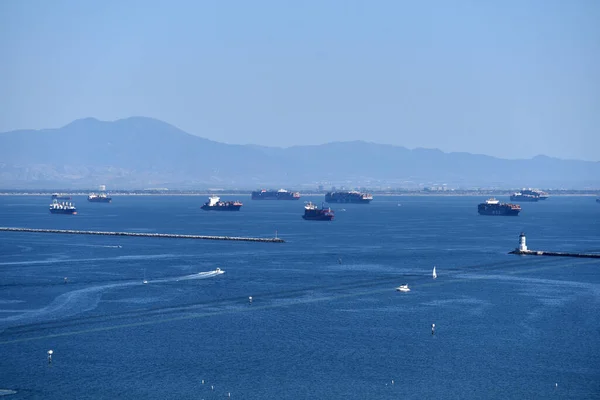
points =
(140, 152)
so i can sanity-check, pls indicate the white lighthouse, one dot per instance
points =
(522, 243)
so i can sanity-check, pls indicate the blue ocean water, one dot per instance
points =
(325, 321)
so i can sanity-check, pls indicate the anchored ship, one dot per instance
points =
(520, 196)
(535, 192)
(314, 213)
(62, 208)
(60, 196)
(280, 194)
(348, 197)
(494, 207)
(215, 203)
(99, 198)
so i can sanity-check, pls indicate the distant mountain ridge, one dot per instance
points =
(140, 152)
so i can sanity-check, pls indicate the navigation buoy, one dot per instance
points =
(556, 385)
(250, 299)
(50, 352)
(432, 329)
(228, 394)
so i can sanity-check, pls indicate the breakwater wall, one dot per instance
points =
(153, 235)
(552, 253)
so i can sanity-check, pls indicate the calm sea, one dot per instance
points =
(326, 321)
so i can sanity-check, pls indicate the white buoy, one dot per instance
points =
(50, 352)
(212, 387)
(392, 381)
(556, 385)
(228, 394)
(203, 381)
(250, 299)
(432, 329)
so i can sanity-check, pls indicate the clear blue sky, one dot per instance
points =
(511, 78)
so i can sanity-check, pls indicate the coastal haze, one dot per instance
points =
(139, 153)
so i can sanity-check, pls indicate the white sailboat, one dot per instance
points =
(434, 274)
(145, 282)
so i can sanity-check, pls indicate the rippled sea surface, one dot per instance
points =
(325, 322)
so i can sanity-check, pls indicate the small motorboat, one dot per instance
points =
(218, 271)
(403, 288)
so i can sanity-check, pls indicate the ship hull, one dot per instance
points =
(530, 199)
(498, 211)
(275, 196)
(221, 208)
(59, 211)
(318, 217)
(347, 200)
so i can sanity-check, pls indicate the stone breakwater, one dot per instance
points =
(153, 235)
(552, 253)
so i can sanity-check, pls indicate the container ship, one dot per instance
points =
(494, 207)
(62, 208)
(348, 197)
(214, 203)
(99, 198)
(280, 194)
(60, 196)
(520, 196)
(535, 192)
(314, 213)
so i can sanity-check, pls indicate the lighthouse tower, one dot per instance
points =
(522, 243)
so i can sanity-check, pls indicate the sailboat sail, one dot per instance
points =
(434, 273)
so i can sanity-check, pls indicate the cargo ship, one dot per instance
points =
(60, 196)
(520, 196)
(535, 192)
(99, 198)
(314, 213)
(214, 203)
(348, 197)
(62, 208)
(280, 194)
(494, 207)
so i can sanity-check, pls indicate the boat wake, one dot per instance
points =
(83, 300)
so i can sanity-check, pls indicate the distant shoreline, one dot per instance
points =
(240, 193)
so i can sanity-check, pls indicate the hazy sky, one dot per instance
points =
(505, 78)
